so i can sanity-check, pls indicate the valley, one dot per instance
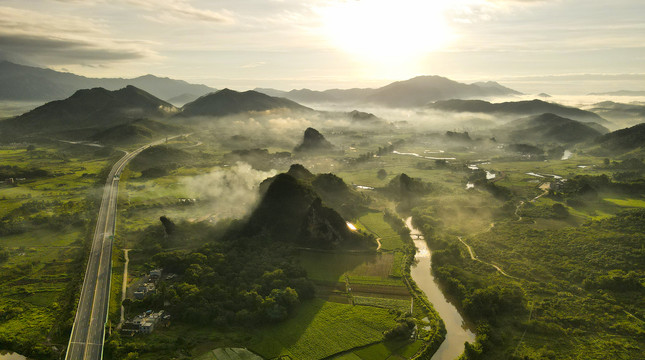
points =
(287, 232)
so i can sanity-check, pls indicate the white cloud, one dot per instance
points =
(63, 39)
(181, 10)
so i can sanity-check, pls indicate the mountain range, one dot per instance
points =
(28, 83)
(228, 102)
(522, 108)
(621, 93)
(89, 114)
(632, 113)
(415, 92)
(550, 128)
(90, 109)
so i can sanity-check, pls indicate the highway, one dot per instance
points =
(88, 331)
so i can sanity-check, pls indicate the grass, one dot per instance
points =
(320, 329)
(332, 267)
(633, 203)
(229, 354)
(374, 223)
(44, 252)
(396, 304)
(388, 350)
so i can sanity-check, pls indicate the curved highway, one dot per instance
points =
(88, 331)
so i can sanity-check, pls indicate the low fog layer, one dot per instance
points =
(228, 192)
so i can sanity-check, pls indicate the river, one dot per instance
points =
(456, 331)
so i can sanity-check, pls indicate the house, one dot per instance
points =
(155, 274)
(144, 323)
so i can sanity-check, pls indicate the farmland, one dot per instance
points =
(46, 214)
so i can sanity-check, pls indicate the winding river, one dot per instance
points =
(457, 332)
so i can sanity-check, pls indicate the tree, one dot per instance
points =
(168, 225)
(31, 147)
(381, 174)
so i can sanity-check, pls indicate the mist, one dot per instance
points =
(228, 192)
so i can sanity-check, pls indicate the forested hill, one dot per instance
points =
(292, 211)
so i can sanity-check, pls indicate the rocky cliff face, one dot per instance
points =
(313, 141)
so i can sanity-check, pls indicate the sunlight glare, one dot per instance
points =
(384, 31)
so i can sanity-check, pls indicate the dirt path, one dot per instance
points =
(475, 258)
(517, 210)
(545, 188)
(124, 287)
(378, 240)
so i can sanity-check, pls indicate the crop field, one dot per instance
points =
(320, 329)
(45, 220)
(387, 303)
(374, 223)
(387, 350)
(332, 267)
(392, 291)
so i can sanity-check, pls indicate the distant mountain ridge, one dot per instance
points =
(414, 92)
(633, 112)
(621, 93)
(228, 102)
(95, 108)
(527, 107)
(88, 111)
(551, 128)
(28, 83)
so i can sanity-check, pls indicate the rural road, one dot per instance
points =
(88, 331)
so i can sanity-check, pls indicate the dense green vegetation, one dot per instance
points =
(45, 222)
(540, 246)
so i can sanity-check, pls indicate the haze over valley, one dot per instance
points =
(185, 179)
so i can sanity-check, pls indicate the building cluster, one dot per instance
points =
(148, 287)
(145, 323)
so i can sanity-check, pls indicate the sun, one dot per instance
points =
(386, 31)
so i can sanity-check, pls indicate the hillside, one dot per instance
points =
(624, 139)
(528, 107)
(414, 92)
(313, 141)
(181, 100)
(134, 132)
(332, 190)
(632, 113)
(228, 102)
(19, 82)
(160, 156)
(291, 211)
(548, 128)
(95, 108)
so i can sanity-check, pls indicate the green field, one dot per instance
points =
(45, 221)
(374, 223)
(332, 267)
(320, 329)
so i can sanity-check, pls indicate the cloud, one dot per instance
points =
(62, 39)
(229, 192)
(179, 10)
(61, 51)
(253, 65)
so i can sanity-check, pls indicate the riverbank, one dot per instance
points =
(456, 333)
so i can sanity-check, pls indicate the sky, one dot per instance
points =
(574, 46)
